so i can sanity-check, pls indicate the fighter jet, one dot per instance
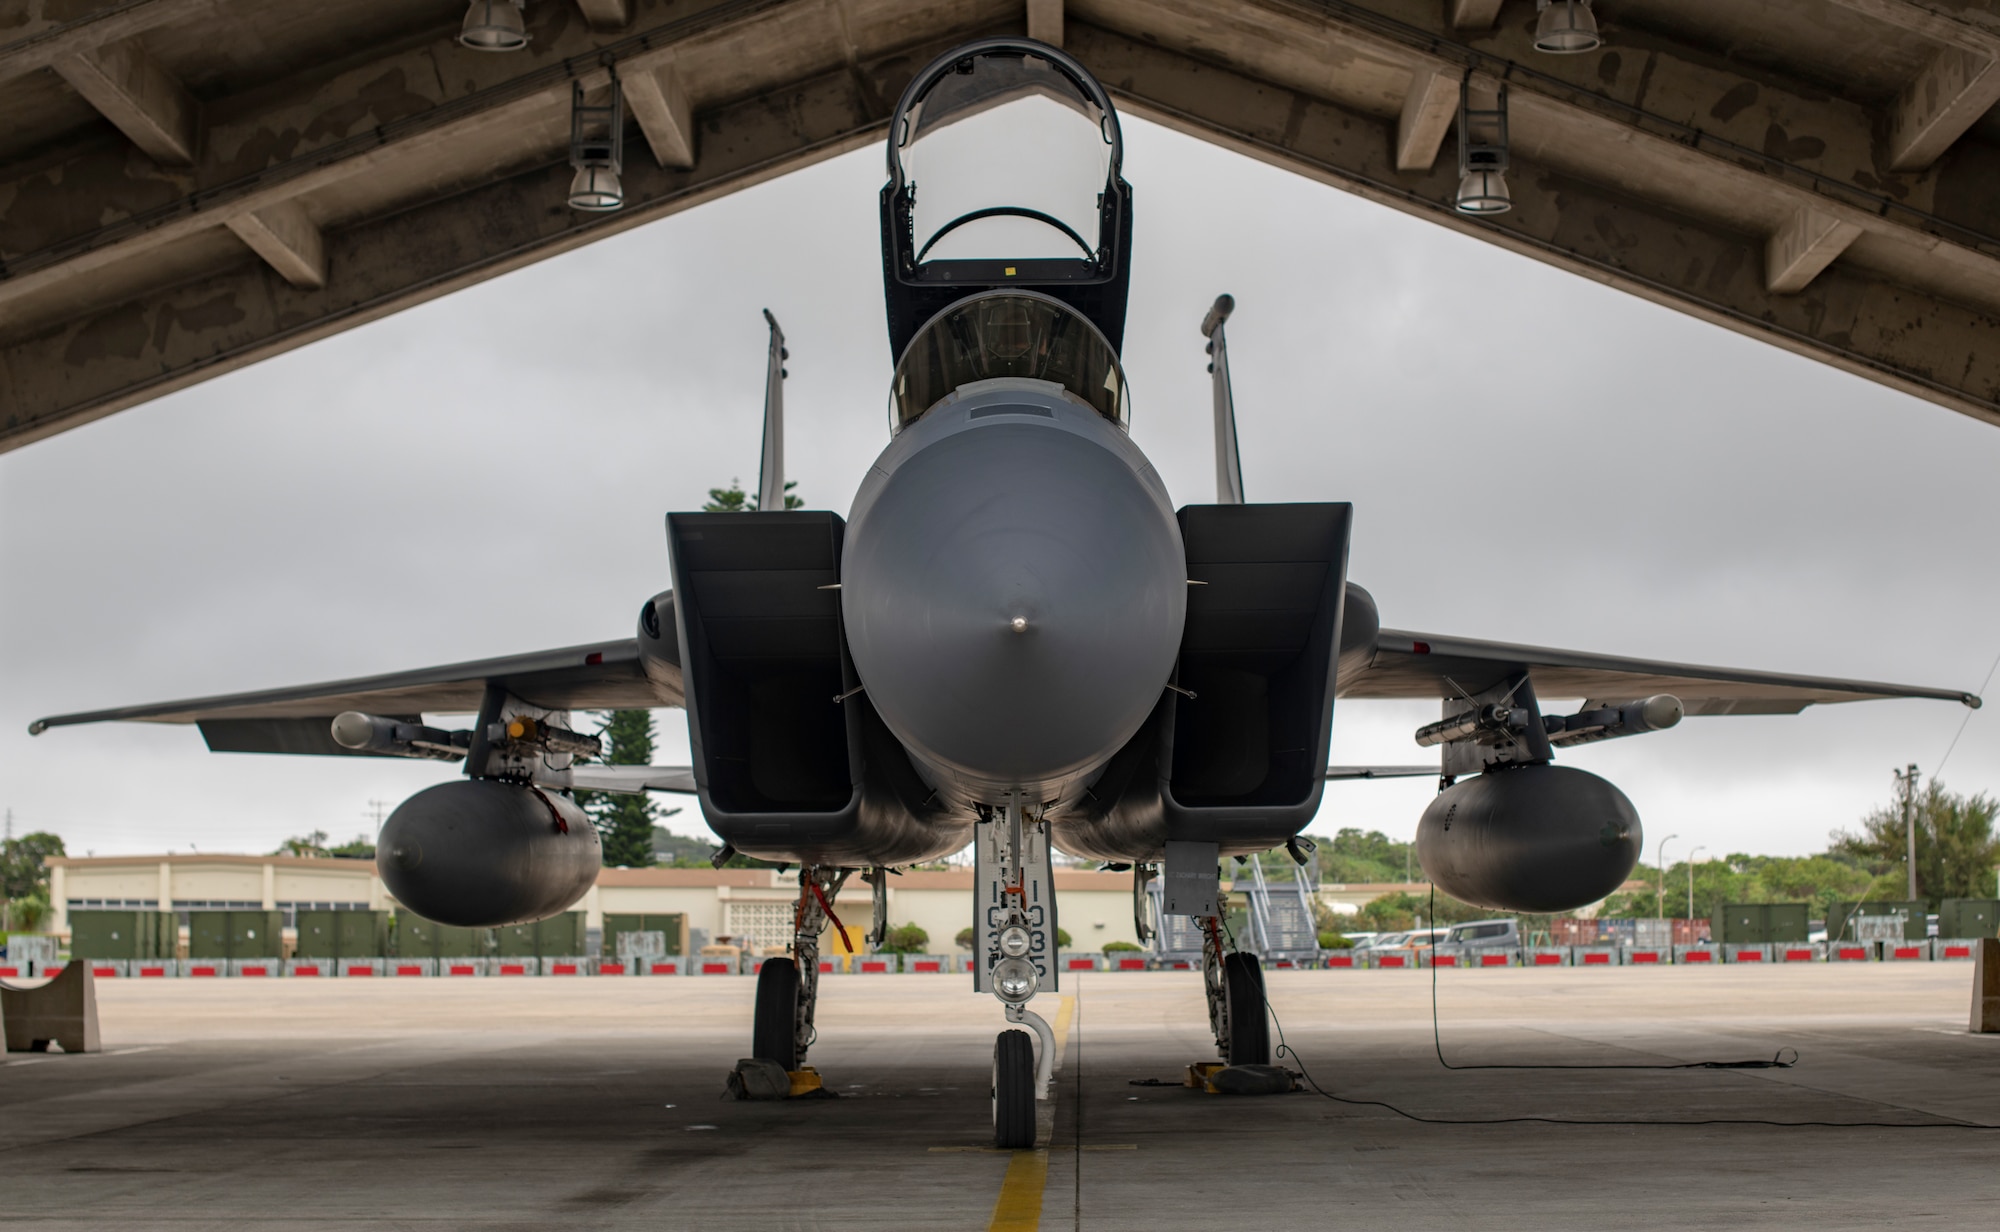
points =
(1014, 639)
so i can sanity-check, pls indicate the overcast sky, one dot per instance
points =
(487, 474)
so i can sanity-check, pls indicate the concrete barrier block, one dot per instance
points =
(1798, 951)
(1986, 986)
(1654, 957)
(1906, 951)
(109, 968)
(927, 964)
(1595, 955)
(309, 968)
(62, 1011)
(360, 968)
(406, 968)
(1696, 955)
(1126, 960)
(1847, 951)
(872, 964)
(567, 966)
(1345, 960)
(1545, 956)
(1075, 960)
(1956, 950)
(257, 968)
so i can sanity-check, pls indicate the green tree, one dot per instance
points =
(1364, 856)
(733, 499)
(360, 847)
(1956, 847)
(906, 939)
(313, 844)
(624, 820)
(23, 863)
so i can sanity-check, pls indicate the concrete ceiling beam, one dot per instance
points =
(1946, 99)
(660, 105)
(288, 239)
(415, 103)
(1922, 344)
(146, 103)
(1472, 14)
(1045, 21)
(1798, 251)
(1971, 24)
(136, 351)
(606, 14)
(1428, 110)
(44, 31)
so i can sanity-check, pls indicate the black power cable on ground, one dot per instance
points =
(1286, 1051)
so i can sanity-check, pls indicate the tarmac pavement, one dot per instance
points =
(595, 1103)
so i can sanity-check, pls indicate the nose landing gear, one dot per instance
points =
(788, 988)
(1235, 987)
(1014, 947)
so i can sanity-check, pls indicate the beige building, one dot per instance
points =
(751, 905)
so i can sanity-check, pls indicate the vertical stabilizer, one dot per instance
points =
(1228, 465)
(771, 468)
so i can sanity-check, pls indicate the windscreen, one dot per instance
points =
(1007, 334)
(1006, 157)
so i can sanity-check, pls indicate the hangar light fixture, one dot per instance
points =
(494, 25)
(1565, 27)
(1482, 154)
(597, 150)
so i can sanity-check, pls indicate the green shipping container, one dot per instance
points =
(559, 936)
(1759, 923)
(416, 937)
(123, 934)
(672, 926)
(1962, 918)
(343, 934)
(1839, 926)
(235, 934)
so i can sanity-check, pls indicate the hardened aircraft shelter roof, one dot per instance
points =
(187, 186)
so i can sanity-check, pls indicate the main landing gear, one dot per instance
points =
(1235, 987)
(788, 988)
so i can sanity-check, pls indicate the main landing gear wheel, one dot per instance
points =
(774, 1027)
(1013, 1091)
(1249, 1025)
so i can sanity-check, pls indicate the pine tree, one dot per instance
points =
(624, 820)
(733, 499)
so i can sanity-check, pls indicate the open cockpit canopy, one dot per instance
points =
(1007, 333)
(1004, 163)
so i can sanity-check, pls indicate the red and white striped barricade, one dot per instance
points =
(1798, 952)
(1126, 960)
(566, 966)
(1746, 953)
(1907, 951)
(927, 964)
(1545, 956)
(309, 968)
(1595, 955)
(257, 968)
(1080, 960)
(1952, 950)
(1649, 956)
(1696, 955)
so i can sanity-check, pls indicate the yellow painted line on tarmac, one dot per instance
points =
(1064, 1015)
(1020, 1206)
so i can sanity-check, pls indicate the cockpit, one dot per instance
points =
(1004, 160)
(1008, 334)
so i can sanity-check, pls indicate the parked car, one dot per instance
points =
(1483, 934)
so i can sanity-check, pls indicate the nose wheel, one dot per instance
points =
(1013, 1091)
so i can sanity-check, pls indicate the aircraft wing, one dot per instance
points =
(599, 676)
(1408, 664)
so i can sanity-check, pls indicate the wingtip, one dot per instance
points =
(37, 727)
(1972, 701)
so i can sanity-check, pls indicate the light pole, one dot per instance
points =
(1907, 780)
(1691, 856)
(1660, 899)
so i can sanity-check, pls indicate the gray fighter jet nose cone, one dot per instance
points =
(1013, 595)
